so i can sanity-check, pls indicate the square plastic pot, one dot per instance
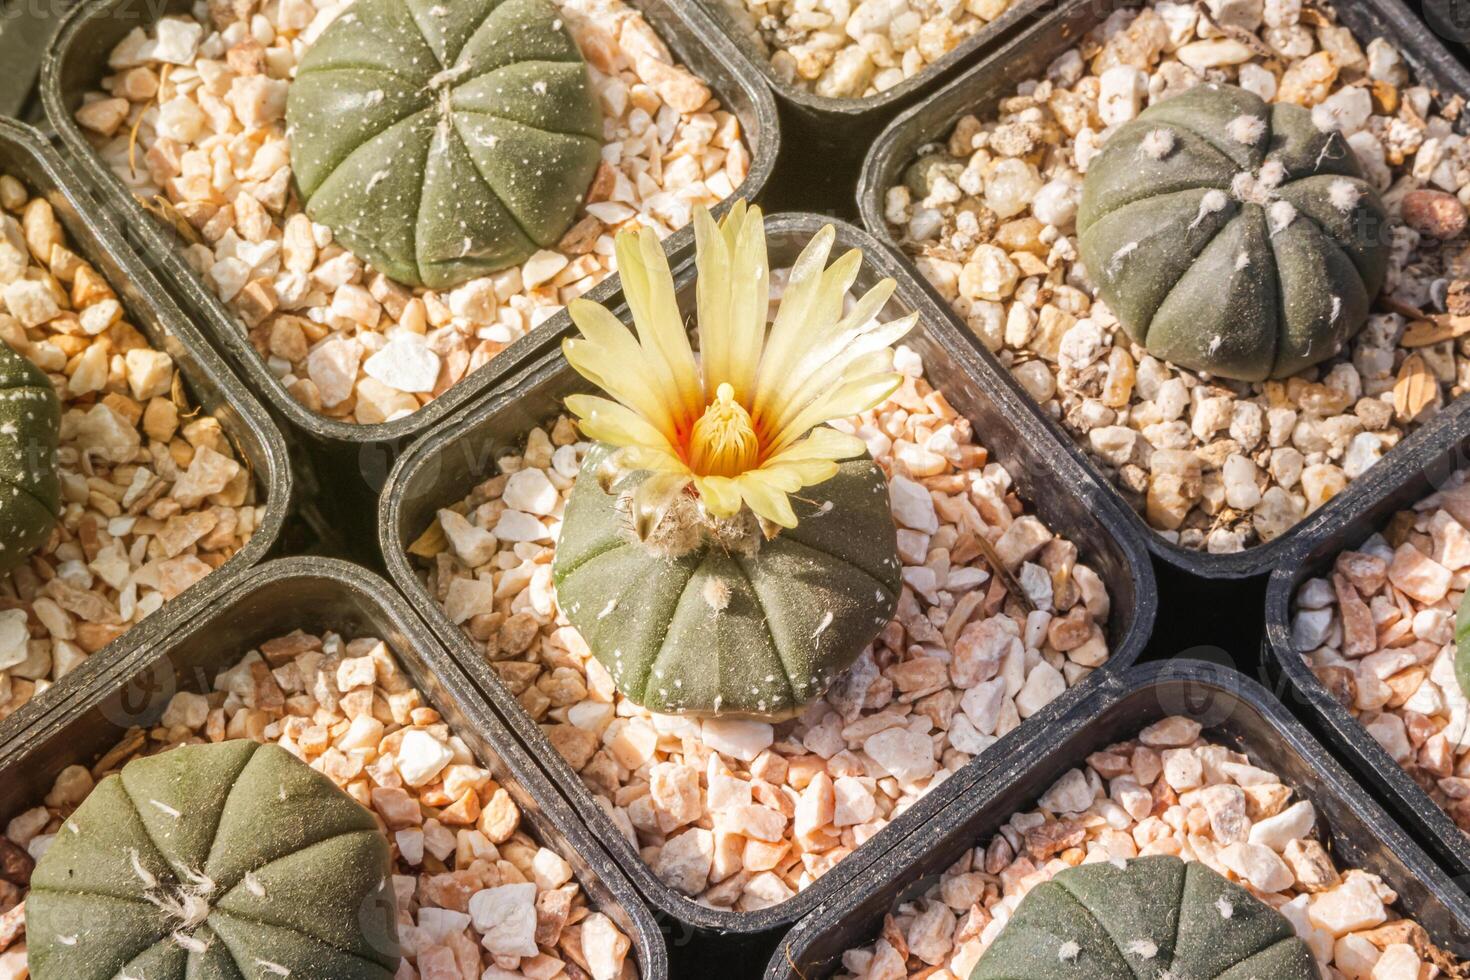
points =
(27, 157)
(1405, 477)
(1235, 711)
(342, 466)
(442, 468)
(980, 89)
(316, 595)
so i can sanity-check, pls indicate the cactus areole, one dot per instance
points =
(444, 141)
(1233, 237)
(30, 428)
(215, 862)
(1151, 917)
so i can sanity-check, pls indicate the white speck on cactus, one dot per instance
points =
(164, 808)
(1215, 343)
(1336, 308)
(144, 875)
(376, 179)
(1120, 255)
(275, 968)
(607, 610)
(1247, 129)
(1344, 195)
(253, 885)
(191, 943)
(1068, 951)
(1213, 202)
(1223, 906)
(67, 940)
(1242, 261)
(1143, 948)
(822, 626)
(1280, 214)
(1158, 143)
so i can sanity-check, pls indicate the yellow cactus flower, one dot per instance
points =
(743, 424)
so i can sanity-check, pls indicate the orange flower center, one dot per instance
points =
(723, 441)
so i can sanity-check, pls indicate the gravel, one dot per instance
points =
(1378, 631)
(1213, 465)
(154, 497)
(857, 48)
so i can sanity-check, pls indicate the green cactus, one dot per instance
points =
(714, 619)
(30, 427)
(444, 141)
(215, 862)
(1233, 237)
(1150, 917)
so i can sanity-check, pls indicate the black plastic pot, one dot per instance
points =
(1405, 477)
(980, 89)
(341, 465)
(23, 33)
(442, 468)
(24, 155)
(317, 595)
(1235, 711)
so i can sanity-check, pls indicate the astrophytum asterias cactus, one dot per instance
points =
(1233, 237)
(724, 551)
(215, 862)
(444, 141)
(1156, 917)
(30, 428)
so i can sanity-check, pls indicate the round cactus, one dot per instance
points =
(215, 862)
(444, 141)
(711, 618)
(1149, 917)
(30, 427)
(1233, 237)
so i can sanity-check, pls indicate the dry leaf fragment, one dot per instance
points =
(1425, 333)
(431, 543)
(1416, 389)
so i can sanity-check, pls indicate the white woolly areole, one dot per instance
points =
(1280, 214)
(1223, 906)
(1242, 261)
(1068, 951)
(1213, 202)
(1344, 195)
(717, 593)
(1158, 143)
(1243, 187)
(1246, 129)
(1143, 948)
(1273, 172)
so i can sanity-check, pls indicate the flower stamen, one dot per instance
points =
(724, 442)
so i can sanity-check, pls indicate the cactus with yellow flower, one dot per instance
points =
(726, 551)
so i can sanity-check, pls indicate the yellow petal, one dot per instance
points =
(607, 421)
(631, 387)
(766, 500)
(796, 316)
(648, 286)
(849, 398)
(720, 494)
(824, 443)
